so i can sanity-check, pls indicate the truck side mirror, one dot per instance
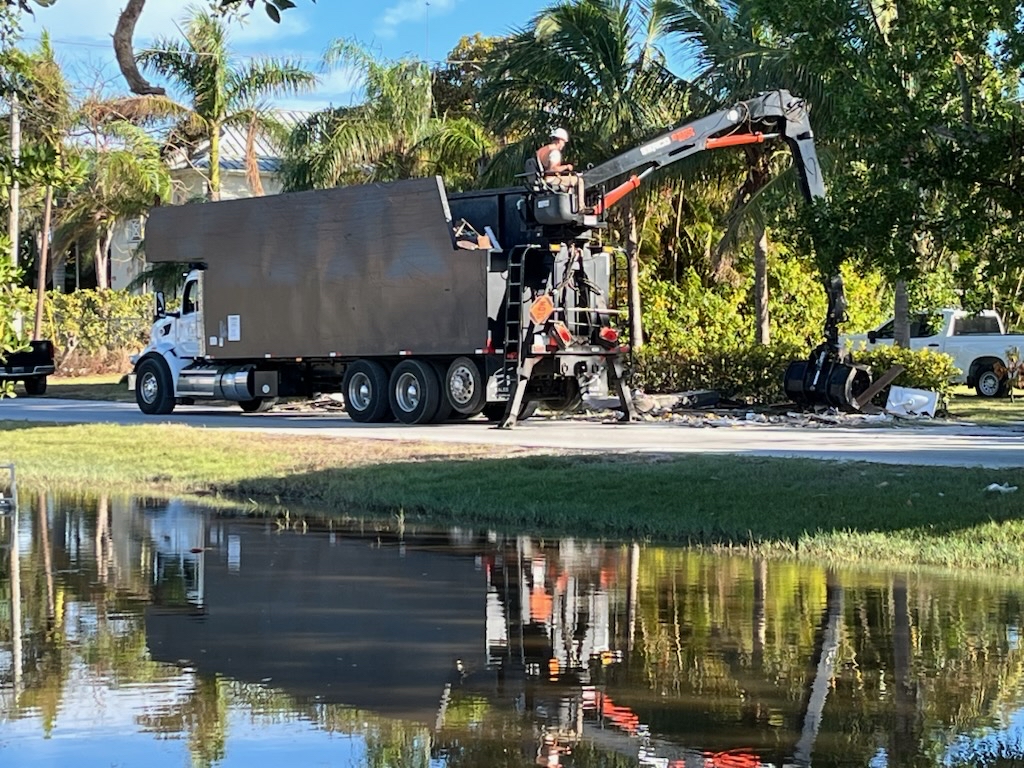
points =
(161, 306)
(872, 337)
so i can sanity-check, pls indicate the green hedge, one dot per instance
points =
(752, 373)
(93, 330)
(924, 369)
(755, 374)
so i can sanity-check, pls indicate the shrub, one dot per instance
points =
(94, 331)
(753, 373)
(923, 369)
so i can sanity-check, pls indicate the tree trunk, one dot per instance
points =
(762, 331)
(103, 260)
(901, 324)
(44, 249)
(636, 328)
(124, 50)
(214, 192)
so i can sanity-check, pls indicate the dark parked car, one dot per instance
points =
(30, 366)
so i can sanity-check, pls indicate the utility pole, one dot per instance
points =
(13, 224)
(426, 52)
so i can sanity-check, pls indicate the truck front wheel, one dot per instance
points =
(35, 386)
(366, 392)
(990, 384)
(154, 391)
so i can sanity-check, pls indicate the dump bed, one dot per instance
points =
(353, 271)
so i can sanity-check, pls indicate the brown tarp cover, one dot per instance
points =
(354, 271)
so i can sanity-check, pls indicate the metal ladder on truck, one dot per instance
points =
(516, 367)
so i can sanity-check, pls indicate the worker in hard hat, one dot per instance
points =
(549, 157)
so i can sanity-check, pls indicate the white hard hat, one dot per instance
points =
(560, 133)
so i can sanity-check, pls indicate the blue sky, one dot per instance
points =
(81, 31)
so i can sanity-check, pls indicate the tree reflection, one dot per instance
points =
(599, 648)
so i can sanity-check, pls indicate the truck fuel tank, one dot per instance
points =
(234, 383)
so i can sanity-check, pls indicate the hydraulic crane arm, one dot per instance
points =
(827, 377)
(775, 114)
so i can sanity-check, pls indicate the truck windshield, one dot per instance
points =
(976, 324)
(922, 326)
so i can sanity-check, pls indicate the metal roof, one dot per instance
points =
(232, 148)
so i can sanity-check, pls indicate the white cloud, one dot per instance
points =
(341, 82)
(411, 11)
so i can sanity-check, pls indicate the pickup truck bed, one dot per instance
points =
(30, 367)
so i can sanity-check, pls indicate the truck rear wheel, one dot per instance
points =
(415, 392)
(154, 391)
(366, 392)
(35, 386)
(444, 408)
(991, 384)
(464, 387)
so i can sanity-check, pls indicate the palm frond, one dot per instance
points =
(135, 109)
(266, 77)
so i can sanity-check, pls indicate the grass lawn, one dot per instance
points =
(966, 405)
(103, 386)
(825, 511)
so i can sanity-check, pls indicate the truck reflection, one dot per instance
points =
(406, 624)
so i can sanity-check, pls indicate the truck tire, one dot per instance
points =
(464, 387)
(414, 392)
(496, 411)
(570, 401)
(35, 386)
(444, 408)
(989, 383)
(258, 404)
(365, 389)
(154, 391)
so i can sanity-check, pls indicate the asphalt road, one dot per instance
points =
(936, 445)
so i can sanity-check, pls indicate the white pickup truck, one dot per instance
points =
(977, 343)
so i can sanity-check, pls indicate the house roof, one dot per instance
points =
(232, 148)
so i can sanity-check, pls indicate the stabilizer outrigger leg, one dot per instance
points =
(617, 370)
(515, 402)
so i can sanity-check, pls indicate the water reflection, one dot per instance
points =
(158, 632)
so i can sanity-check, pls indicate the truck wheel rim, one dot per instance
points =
(150, 387)
(407, 392)
(989, 383)
(460, 386)
(360, 392)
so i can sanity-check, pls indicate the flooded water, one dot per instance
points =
(135, 632)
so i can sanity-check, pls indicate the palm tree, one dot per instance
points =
(736, 58)
(124, 176)
(393, 134)
(594, 67)
(47, 116)
(221, 93)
